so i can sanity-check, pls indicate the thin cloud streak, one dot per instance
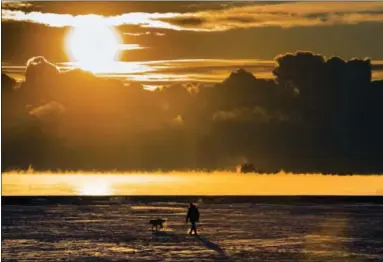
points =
(144, 34)
(64, 20)
(125, 47)
(164, 72)
(282, 15)
(205, 70)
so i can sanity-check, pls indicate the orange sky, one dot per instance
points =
(162, 43)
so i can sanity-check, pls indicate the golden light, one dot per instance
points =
(95, 188)
(92, 45)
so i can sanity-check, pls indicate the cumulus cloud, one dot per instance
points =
(40, 70)
(178, 120)
(192, 88)
(282, 15)
(227, 115)
(332, 124)
(246, 114)
(48, 111)
(162, 72)
(7, 83)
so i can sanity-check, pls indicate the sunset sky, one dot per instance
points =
(162, 42)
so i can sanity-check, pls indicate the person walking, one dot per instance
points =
(193, 216)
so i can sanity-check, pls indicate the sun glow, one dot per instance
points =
(95, 188)
(92, 45)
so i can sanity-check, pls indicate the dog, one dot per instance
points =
(157, 223)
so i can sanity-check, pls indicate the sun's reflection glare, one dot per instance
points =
(188, 183)
(94, 185)
(95, 188)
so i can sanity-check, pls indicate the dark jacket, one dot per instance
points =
(193, 214)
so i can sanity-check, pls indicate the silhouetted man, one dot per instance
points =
(193, 215)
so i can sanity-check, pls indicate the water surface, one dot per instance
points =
(188, 183)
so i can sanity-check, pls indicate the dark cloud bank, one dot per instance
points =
(317, 115)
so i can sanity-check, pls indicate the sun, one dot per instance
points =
(93, 45)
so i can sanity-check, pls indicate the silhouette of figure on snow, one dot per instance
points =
(193, 216)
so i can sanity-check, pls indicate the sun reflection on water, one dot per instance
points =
(102, 185)
(97, 187)
(187, 183)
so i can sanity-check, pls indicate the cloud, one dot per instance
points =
(14, 5)
(39, 61)
(246, 114)
(66, 20)
(230, 115)
(130, 47)
(40, 71)
(7, 83)
(284, 15)
(163, 72)
(48, 111)
(178, 120)
(137, 34)
(332, 124)
(185, 70)
(377, 65)
(212, 69)
(145, 34)
(184, 21)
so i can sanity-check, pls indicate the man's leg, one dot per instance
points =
(193, 228)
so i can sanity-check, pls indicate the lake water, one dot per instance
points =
(187, 183)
